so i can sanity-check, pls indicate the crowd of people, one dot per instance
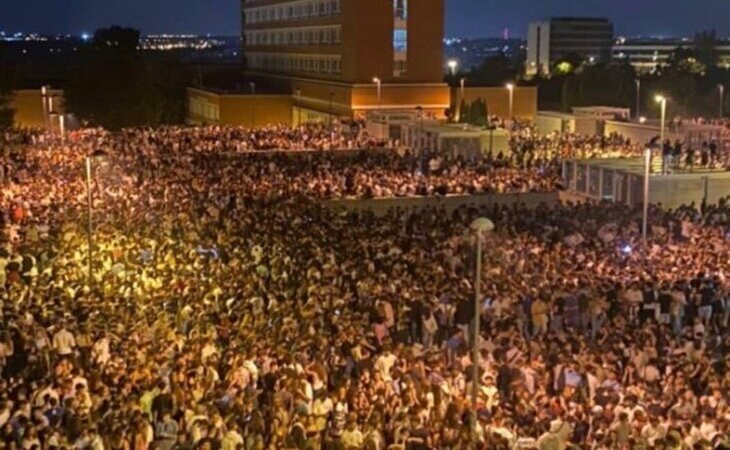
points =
(527, 144)
(223, 307)
(367, 173)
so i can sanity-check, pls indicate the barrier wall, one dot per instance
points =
(637, 132)
(381, 206)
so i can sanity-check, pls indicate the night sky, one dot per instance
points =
(468, 18)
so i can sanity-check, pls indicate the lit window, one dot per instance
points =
(400, 40)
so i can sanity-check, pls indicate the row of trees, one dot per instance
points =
(6, 87)
(109, 82)
(475, 113)
(690, 78)
(115, 86)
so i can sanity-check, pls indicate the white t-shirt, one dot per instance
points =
(384, 363)
(64, 342)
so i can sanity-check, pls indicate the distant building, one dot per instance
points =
(329, 53)
(549, 42)
(471, 53)
(648, 54)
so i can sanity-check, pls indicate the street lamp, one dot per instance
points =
(662, 100)
(379, 85)
(97, 155)
(645, 217)
(511, 88)
(298, 95)
(252, 85)
(462, 82)
(721, 91)
(420, 127)
(479, 226)
(638, 97)
(332, 97)
(44, 98)
(453, 64)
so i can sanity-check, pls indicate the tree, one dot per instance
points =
(706, 48)
(6, 91)
(568, 63)
(495, 71)
(116, 39)
(115, 87)
(465, 112)
(599, 85)
(479, 112)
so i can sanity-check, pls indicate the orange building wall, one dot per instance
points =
(366, 45)
(425, 41)
(28, 107)
(255, 110)
(367, 38)
(245, 110)
(497, 98)
(432, 97)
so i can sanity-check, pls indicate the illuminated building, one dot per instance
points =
(549, 42)
(328, 53)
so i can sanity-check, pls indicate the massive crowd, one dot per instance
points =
(527, 144)
(228, 309)
(371, 172)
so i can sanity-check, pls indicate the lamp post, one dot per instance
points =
(638, 97)
(645, 216)
(332, 99)
(98, 154)
(453, 64)
(721, 91)
(662, 100)
(462, 82)
(44, 98)
(420, 127)
(511, 88)
(299, 107)
(479, 226)
(252, 85)
(379, 86)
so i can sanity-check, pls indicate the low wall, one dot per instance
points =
(637, 132)
(674, 191)
(497, 99)
(381, 206)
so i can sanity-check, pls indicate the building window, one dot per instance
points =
(400, 37)
(401, 9)
(400, 41)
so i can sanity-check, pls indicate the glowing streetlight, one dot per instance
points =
(379, 86)
(721, 91)
(460, 100)
(511, 88)
(662, 100)
(453, 64)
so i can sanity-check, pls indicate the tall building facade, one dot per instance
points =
(550, 41)
(345, 57)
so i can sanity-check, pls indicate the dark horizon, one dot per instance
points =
(464, 18)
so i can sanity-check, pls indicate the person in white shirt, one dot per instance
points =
(384, 363)
(653, 431)
(232, 440)
(64, 342)
(352, 436)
